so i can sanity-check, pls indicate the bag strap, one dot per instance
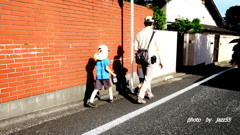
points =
(150, 39)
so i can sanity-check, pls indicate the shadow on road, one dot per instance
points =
(229, 80)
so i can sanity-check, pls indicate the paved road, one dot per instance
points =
(211, 108)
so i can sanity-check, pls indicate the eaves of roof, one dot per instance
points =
(214, 29)
(212, 8)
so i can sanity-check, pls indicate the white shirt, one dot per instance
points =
(142, 41)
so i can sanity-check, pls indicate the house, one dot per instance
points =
(212, 45)
(205, 10)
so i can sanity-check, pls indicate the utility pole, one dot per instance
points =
(132, 46)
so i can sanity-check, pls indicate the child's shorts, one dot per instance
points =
(103, 82)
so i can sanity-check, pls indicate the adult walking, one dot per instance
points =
(142, 42)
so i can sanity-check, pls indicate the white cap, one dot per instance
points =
(102, 52)
(149, 19)
(103, 47)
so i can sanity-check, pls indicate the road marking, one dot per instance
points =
(133, 114)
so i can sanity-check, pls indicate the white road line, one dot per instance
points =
(133, 114)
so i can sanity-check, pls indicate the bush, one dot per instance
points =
(159, 17)
(186, 26)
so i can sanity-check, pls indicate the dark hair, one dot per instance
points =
(148, 23)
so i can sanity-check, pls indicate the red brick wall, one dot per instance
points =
(45, 45)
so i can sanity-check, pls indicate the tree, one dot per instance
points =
(233, 18)
(139, 2)
(160, 19)
(186, 26)
(195, 26)
(158, 14)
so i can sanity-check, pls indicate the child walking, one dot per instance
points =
(102, 76)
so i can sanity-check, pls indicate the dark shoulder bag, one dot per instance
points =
(142, 54)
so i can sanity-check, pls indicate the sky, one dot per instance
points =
(224, 5)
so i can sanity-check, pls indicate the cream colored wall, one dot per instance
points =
(225, 48)
(168, 46)
(190, 9)
(198, 49)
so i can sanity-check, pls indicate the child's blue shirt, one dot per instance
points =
(102, 73)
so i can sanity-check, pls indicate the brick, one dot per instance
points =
(36, 76)
(30, 72)
(22, 60)
(48, 66)
(26, 86)
(6, 42)
(10, 17)
(31, 90)
(13, 56)
(42, 54)
(28, 46)
(5, 22)
(50, 90)
(7, 80)
(17, 92)
(8, 89)
(55, 69)
(38, 84)
(15, 75)
(2, 56)
(3, 76)
(30, 81)
(21, 78)
(20, 51)
(38, 92)
(44, 87)
(36, 59)
(9, 99)
(48, 58)
(44, 79)
(6, 51)
(43, 71)
(24, 95)
(29, 55)
(6, 61)
(14, 65)
(3, 86)
(36, 67)
(56, 85)
(3, 95)
(23, 69)
(29, 64)
(16, 83)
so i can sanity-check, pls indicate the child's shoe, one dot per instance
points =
(91, 105)
(111, 100)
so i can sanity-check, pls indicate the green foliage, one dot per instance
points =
(233, 18)
(186, 26)
(159, 18)
(139, 2)
(158, 14)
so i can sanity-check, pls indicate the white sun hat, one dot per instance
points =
(102, 52)
(149, 19)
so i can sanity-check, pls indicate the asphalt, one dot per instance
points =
(29, 120)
